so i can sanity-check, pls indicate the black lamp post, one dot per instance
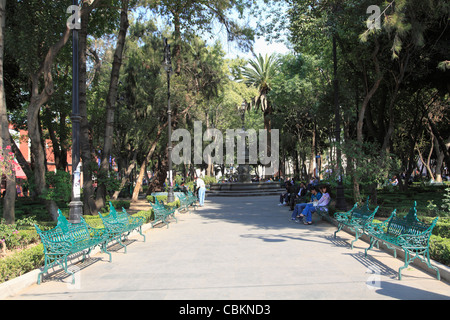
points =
(168, 68)
(75, 205)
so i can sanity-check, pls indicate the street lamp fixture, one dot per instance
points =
(168, 68)
(243, 107)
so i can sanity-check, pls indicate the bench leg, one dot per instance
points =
(372, 242)
(339, 229)
(46, 266)
(119, 241)
(50, 262)
(438, 276)
(140, 231)
(404, 266)
(356, 237)
(64, 266)
(425, 259)
(105, 250)
(85, 254)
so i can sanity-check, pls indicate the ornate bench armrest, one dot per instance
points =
(415, 241)
(344, 216)
(380, 227)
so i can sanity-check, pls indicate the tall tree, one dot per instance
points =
(10, 195)
(111, 103)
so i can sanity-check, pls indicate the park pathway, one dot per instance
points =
(241, 248)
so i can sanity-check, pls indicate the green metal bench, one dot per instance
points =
(356, 219)
(187, 202)
(408, 233)
(121, 224)
(322, 211)
(184, 202)
(162, 213)
(192, 199)
(67, 239)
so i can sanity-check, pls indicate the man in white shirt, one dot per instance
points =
(201, 190)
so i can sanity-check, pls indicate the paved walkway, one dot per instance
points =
(242, 248)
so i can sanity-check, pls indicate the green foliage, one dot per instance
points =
(6, 161)
(209, 179)
(440, 249)
(119, 204)
(21, 262)
(373, 166)
(446, 202)
(260, 73)
(147, 214)
(16, 235)
(59, 187)
(163, 199)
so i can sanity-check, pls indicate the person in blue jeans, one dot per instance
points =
(201, 190)
(321, 205)
(315, 196)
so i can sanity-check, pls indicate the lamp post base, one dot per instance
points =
(75, 211)
(170, 195)
(340, 198)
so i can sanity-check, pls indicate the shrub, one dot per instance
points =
(209, 179)
(119, 204)
(21, 262)
(94, 221)
(163, 199)
(440, 249)
(147, 214)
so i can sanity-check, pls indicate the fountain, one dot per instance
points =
(244, 187)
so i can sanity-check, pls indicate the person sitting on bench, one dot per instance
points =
(320, 205)
(298, 195)
(315, 196)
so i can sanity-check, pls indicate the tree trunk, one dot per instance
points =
(126, 176)
(440, 158)
(85, 132)
(369, 94)
(159, 176)
(111, 103)
(38, 99)
(10, 195)
(146, 161)
(312, 156)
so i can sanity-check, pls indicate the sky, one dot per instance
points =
(260, 47)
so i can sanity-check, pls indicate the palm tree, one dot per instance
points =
(260, 73)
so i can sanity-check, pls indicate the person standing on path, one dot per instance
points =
(201, 190)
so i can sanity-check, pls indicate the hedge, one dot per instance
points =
(440, 249)
(21, 262)
(163, 198)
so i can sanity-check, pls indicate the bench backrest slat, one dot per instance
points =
(407, 225)
(74, 231)
(64, 232)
